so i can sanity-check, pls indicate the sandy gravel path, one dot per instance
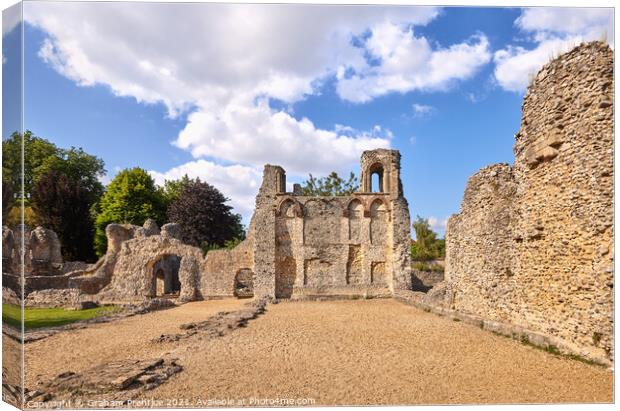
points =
(340, 352)
(131, 337)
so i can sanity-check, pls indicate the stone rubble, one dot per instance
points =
(220, 324)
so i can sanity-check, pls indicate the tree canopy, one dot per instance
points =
(60, 187)
(36, 150)
(174, 188)
(426, 246)
(77, 165)
(131, 198)
(62, 203)
(205, 218)
(331, 185)
(40, 156)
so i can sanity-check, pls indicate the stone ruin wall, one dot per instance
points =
(224, 271)
(297, 247)
(333, 245)
(479, 262)
(533, 243)
(319, 246)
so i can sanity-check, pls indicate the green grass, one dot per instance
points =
(50, 317)
(552, 349)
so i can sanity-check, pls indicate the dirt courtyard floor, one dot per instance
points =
(327, 353)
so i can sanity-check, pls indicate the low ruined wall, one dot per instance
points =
(533, 244)
(422, 280)
(52, 298)
(133, 277)
(221, 267)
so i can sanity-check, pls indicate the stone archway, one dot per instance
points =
(166, 280)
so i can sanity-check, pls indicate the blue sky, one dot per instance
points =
(217, 91)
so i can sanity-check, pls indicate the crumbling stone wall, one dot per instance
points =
(297, 246)
(480, 260)
(312, 246)
(533, 243)
(42, 254)
(134, 278)
(220, 268)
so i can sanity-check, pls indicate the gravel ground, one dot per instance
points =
(11, 360)
(338, 352)
(130, 337)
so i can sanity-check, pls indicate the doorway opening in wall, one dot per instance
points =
(244, 283)
(166, 281)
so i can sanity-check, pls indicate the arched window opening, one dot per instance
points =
(376, 182)
(373, 179)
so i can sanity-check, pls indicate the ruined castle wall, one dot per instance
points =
(327, 246)
(134, 277)
(564, 230)
(220, 268)
(556, 274)
(263, 230)
(399, 245)
(479, 245)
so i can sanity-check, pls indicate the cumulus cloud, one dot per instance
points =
(407, 63)
(256, 134)
(223, 65)
(555, 30)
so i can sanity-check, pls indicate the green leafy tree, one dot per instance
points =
(205, 218)
(131, 198)
(36, 151)
(426, 246)
(331, 185)
(77, 165)
(62, 203)
(174, 188)
(41, 157)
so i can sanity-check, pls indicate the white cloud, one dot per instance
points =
(199, 54)
(407, 63)
(239, 183)
(555, 31)
(257, 134)
(421, 110)
(565, 19)
(437, 224)
(224, 63)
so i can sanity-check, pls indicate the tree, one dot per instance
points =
(62, 203)
(205, 219)
(78, 165)
(36, 151)
(131, 198)
(41, 157)
(174, 188)
(332, 185)
(7, 199)
(427, 246)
